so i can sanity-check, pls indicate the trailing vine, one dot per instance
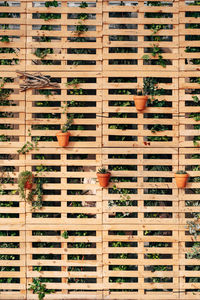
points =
(5, 93)
(80, 28)
(29, 146)
(156, 51)
(35, 196)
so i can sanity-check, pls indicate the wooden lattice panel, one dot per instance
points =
(12, 262)
(71, 265)
(71, 193)
(12, 206)
(156, 126)
(131, 240)
(139, 177)
(12, 128)
(12, 35)
(67, 37)
(189, 267)
(189, 109)
(12, 212)
(49, 107)
(189, 157)
(189, 208)
(133, 258)
(133, 28)
(12, 111)
(189, 35)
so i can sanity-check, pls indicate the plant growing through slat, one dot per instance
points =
(29, 146)
(39, 288)
(5, 39)
(156, 52)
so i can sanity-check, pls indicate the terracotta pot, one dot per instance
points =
(29, 183)
(63, 138)
(103, 179)
(181, 180)
(140, 102)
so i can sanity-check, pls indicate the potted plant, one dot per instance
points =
(25, 181)
(149, 90)
(181, 179)
(140, 99)
(63, 135)
(103, 176)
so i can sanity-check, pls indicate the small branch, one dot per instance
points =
(36, 80)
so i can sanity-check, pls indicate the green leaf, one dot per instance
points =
(146, 57)
(195, 99)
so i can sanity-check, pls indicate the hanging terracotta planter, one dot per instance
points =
(103, 176)
(103, 179)
(29, 183)
(140, 102)
(25, 181)
(181, 179)
(63, 138)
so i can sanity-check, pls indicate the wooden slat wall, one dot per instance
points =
(125, 240)
(189, 151)
(103, 233)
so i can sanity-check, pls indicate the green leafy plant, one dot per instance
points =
(194, 225)
(125, 200)
(196, 99)
(29, 146)
(156, 27)
(5, 39)
(83, 4)
(49, 16)
(23, 177)
(9, 62)
(181, 172)
(149, 88)
(39, 288)
(192, 49)
(46, 92)
(83, 16)
(194, 252)
(6, 178)
(4, 94)
(196, 141)
(80, 28)
(4, 138)
(158, 127)
(102, 171)
(75, 82)
(65, 234)
(36, 202)
(41, 53)
(5, 3)
(7, 50)
(2, 83)
(195, 116)
(68, 124)
(140, 92)
(156, 52)
(51, 3)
